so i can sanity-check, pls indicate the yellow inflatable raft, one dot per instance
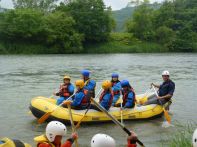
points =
(41, 105)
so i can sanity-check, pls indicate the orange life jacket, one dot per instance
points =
(64, 90)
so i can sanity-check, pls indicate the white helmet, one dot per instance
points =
(165, 73)
(55, 128)
(102, 140)
(194, 140)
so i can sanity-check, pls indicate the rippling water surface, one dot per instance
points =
(23, 77)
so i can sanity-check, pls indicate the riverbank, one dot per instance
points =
(117, 43)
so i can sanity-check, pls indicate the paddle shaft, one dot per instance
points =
(46, 115)
(72, 123)
(115, 120)
(121, 109)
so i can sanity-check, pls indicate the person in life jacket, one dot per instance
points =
(6, 142)
(116, 88)
(65, 91)
(89, 83)
(194, 139)
(128, 95)
(165, 92)
(55, 130)
(102, 140)
(106, 97)
(81, 100)
(132, 140)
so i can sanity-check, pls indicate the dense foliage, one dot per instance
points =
(92, 18)
(173, 25)
(76, 26)
(61, 29)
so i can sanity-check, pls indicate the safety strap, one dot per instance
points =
(18, 143)
(86, 82)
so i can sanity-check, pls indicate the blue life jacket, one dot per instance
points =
(116, 87)
(80, 99)
(128, 98)
(106, 99)
(90, 85)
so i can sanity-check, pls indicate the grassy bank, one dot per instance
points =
(118, 43)
(182, 137)
(125, 43)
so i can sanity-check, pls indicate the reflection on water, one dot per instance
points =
(24, 77)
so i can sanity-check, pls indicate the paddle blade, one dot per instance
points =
(167, 116)
(44, 117)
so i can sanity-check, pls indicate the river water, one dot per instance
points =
(23, 77)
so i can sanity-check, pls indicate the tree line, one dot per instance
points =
(173, 24)
(74, 24)
(65, 28)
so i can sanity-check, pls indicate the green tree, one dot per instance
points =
(141, 22)
(92, 18)
(60, 33)
(21, 25)
(45, 5)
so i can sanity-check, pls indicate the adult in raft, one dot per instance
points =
(104, 140)
(106, 97)
(55, 130)
(128, 95)
(89, 83)
(165, 92)
(116, 87)
(65, 91)
(80, 100)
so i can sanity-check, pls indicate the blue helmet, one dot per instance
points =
(85, 73)
(114, 75)
(125, 83)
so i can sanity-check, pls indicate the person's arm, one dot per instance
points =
(70, 141)
(129, 100)
(78, 98)
(58, 93)
(157, 86)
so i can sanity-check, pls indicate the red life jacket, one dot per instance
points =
(64, 90)
(114, 83)
(85, 101)
(111, 98)
(125, 96)
(130, 145)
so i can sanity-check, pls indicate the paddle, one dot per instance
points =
(46, 115)
(72, 123)
(115, 120)
(167, 116)
(79, 122)
(121, 110)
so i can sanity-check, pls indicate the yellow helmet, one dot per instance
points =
(106, 84)
(66, 77)
(79, 83)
